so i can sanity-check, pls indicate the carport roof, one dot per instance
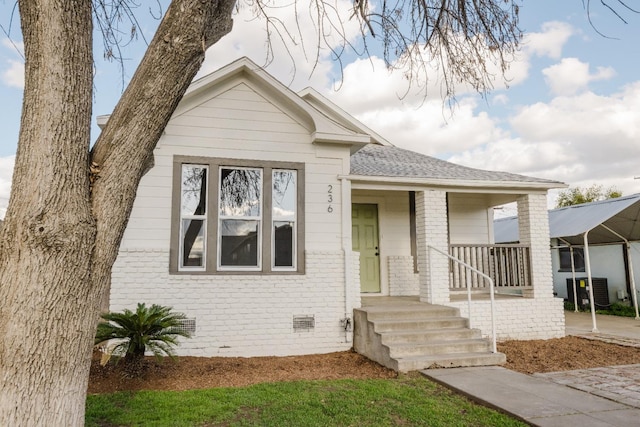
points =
(621, 215)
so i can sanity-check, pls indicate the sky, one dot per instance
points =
(568, 108)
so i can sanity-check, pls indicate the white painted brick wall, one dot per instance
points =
(356, 300)
(517, 318)
(534, 230)
(431, 230)
(242, 315)
(402, 280)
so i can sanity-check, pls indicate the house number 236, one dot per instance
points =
(329, 198)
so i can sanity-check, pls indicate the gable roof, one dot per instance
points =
(621, 215)
(388, 161)
(322, 128)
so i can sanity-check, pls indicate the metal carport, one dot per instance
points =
(597, 223)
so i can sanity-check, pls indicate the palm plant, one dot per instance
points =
(153, 329)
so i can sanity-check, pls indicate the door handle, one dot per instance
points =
(377, 254)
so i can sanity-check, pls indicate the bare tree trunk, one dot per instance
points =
(48, 234)
(124, 149)
(60, 238)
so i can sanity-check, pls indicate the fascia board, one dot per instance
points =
(452, 183)
(316, 99)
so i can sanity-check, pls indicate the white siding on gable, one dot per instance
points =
(469, 219)
(243, 120)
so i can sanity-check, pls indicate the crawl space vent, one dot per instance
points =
(303, 323)
(187, 325)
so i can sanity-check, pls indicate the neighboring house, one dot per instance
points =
(268, 216)
(609, 225)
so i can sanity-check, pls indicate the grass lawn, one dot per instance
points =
(407, 401)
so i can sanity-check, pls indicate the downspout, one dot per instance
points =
(587, 262)
(633, 282)
(347, 248)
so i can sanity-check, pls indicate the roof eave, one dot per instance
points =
(443, 182)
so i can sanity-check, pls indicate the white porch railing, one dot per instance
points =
(508, 266)
(490, 282)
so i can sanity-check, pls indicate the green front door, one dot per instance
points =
(364, 223)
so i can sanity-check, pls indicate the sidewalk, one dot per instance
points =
(608, 396)
(535, 400)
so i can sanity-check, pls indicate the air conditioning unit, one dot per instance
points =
(600, 291)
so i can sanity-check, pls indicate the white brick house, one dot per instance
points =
(268, 214)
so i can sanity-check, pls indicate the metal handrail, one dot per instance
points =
(494, 347)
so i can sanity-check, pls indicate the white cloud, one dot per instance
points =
(14, 75)
(15, 45)
(571, 76)
(550, 41)
(580, 140)
(500, 99)
(302, 64)
(299, 62)
(6, 171)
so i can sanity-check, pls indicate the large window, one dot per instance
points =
(193, 217)
(565, 259)
(237, 216)
(240, 216)
(284, 207)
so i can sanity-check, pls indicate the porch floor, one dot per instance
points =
(373, 301)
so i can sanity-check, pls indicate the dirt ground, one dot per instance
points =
(201, 372)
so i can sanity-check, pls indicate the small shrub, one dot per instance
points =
(617, 309)
(128, 335)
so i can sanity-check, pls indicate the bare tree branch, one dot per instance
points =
(587, 5)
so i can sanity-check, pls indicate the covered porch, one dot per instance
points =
(423, 227)
(437, 246)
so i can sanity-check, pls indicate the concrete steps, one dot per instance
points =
(408, 336)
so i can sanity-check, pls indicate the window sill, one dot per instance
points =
(238, 273)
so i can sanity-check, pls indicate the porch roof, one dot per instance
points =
(388, 161)
(621, 215)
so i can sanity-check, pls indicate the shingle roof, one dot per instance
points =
(378, 160)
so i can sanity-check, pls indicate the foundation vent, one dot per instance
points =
(187, 325)
(303, 323)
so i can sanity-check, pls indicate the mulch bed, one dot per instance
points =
(186, 373)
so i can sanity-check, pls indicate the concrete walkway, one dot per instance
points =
(621, 330)
(588, 397)
(535, 400)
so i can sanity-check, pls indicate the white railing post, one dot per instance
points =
(494, 347)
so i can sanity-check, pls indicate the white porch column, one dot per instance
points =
(533, 221)
(432, 230)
